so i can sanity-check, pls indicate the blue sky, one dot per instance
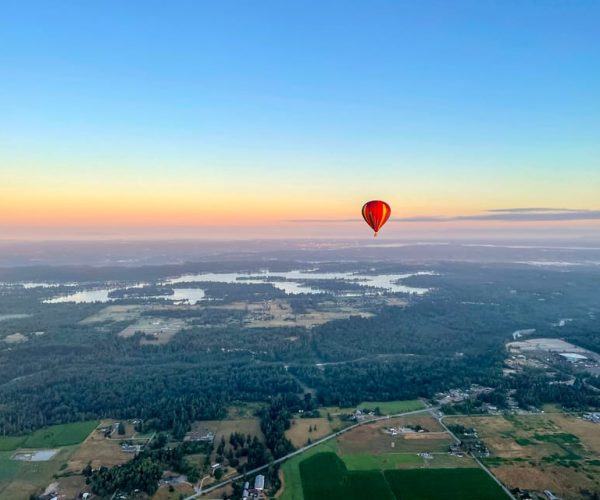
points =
(443, 107)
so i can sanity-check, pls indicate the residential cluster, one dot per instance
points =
(592, 417)
(257, 492)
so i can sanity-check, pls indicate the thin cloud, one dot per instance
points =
(534, 209)
(534, 214)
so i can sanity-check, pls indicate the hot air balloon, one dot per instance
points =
(376, 213)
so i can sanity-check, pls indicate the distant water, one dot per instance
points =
(292, 283)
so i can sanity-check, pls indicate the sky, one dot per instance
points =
(248, 119)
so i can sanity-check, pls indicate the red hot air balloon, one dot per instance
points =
(376, 213)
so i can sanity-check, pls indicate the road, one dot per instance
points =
(304, 448)
(479, 462)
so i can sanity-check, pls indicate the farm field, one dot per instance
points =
(443, 484)
(324, 475)
(290, 471)
(367, 449)
(372, 439)
(554, 451)
(366, 461)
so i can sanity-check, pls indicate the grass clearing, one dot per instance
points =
(443, 484)
(115, 313)
(60, 435)
(179, 491)
(226, 427)
(243, 409)
(156, 331)
(50, 437)
(303, 429)
(393, 407)
(9, 443)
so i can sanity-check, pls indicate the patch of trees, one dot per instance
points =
(146, 468)
(275, 419)
(140, 292)
(236, 292)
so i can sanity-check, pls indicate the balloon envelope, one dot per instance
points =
(376, 213)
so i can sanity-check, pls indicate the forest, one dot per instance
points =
(451, 337)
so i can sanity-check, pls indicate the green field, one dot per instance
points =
(60, 435)
(50, 437)
(367, 461)
(324, 475)
(443, 484)
(9, 443)
(291, 470)
(393, 407)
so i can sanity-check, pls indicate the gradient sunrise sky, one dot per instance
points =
(274, 118)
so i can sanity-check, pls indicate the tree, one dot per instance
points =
(87, 470)
(121, 429)
(193, 475)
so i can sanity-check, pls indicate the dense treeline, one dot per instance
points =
(398, 378)
(534, 387)
(168, 395)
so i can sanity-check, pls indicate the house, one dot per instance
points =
(259, 482)
(592, 417)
